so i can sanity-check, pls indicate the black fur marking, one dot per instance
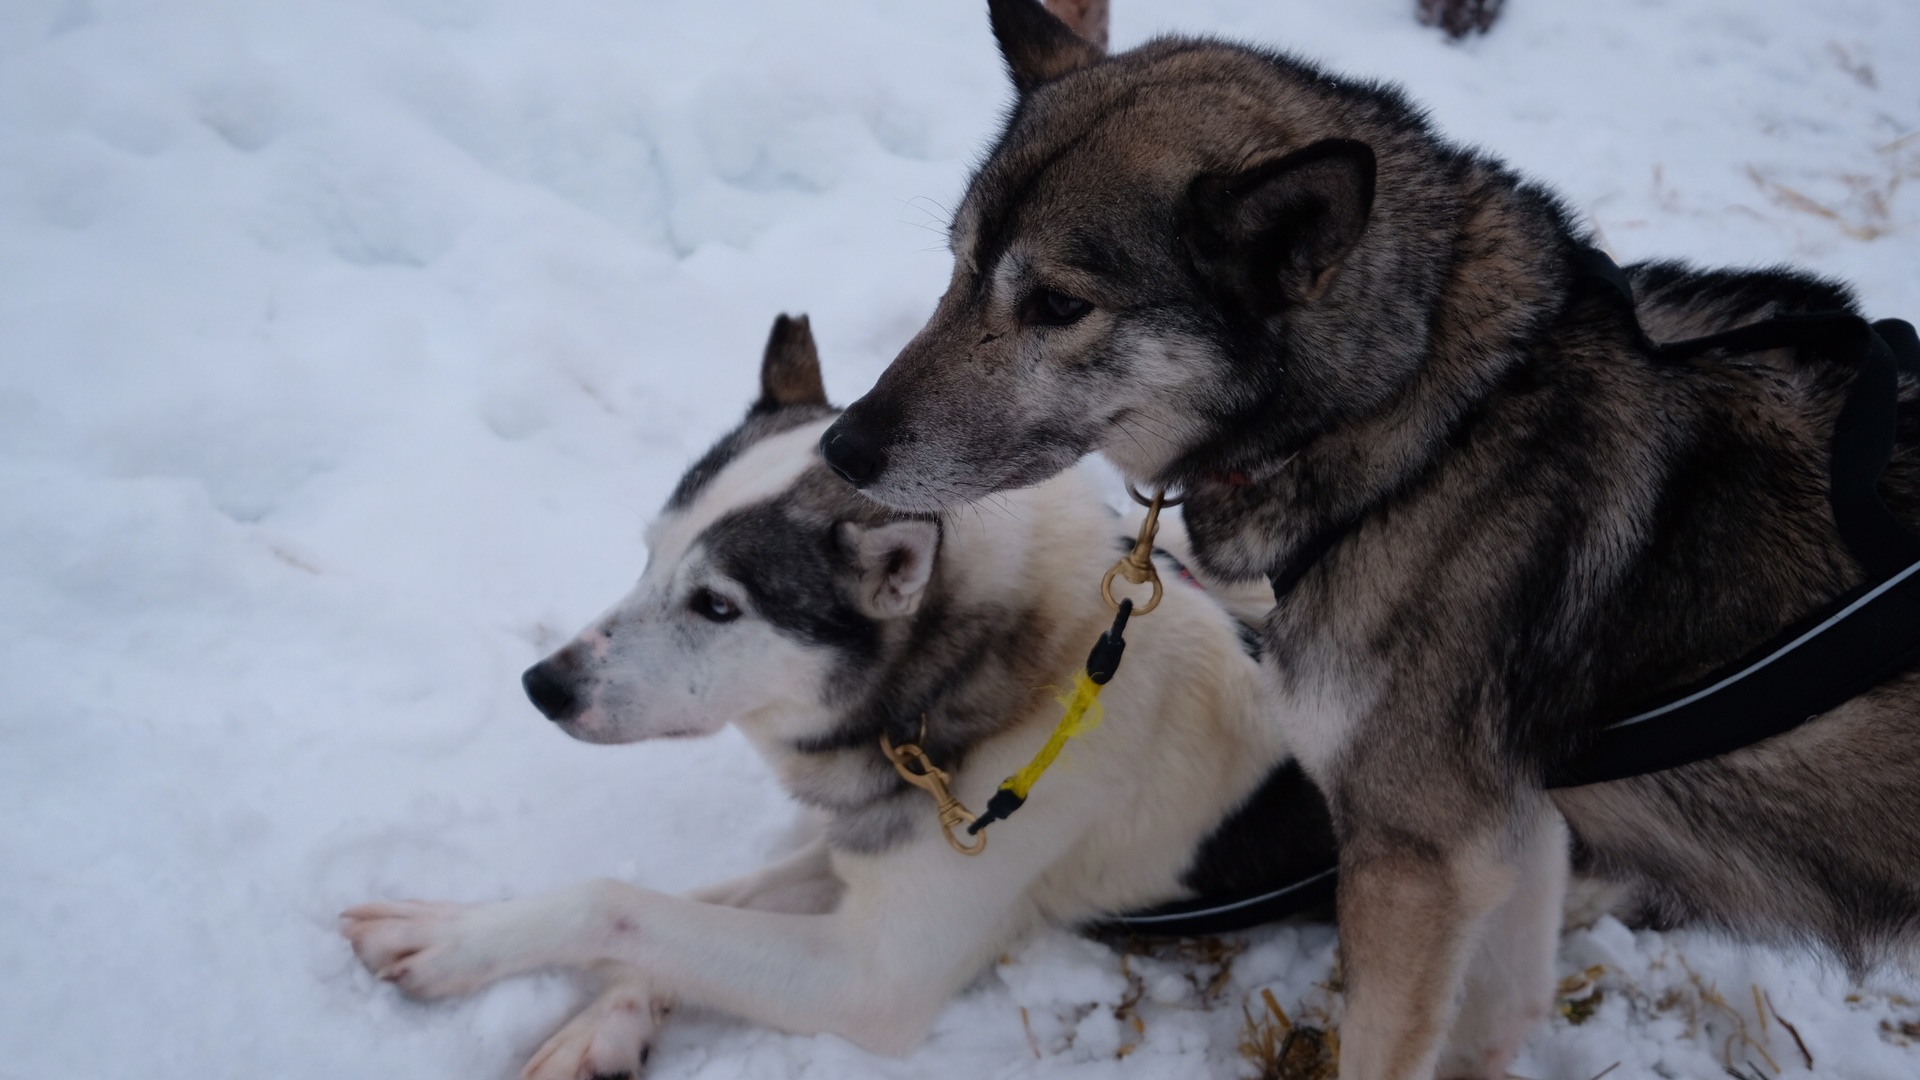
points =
(794, 574)
(1281, 835)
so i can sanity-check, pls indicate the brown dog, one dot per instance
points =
(1376, 366)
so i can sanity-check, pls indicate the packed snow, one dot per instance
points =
(345, 348)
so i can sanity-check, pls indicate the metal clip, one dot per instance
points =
(933, 780)
(1137, 565)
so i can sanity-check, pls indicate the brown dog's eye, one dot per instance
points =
(1047, 307)
(712, 606)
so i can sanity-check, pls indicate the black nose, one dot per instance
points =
(551, 692)
(852, 453)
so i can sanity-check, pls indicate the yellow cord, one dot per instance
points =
(1083, 715)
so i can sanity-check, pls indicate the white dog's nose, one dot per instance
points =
(550, 687)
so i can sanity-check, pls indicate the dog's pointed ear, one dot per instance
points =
(1037, 46)
(894, 561)
(1278, 232)
(790, 370)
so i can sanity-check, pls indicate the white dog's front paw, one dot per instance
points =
(429, 950)
(609, 1038)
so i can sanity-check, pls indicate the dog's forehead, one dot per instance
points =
(1083, 201)
(1130, 136)
(763, 469)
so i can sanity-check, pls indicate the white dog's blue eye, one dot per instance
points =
(712, 606)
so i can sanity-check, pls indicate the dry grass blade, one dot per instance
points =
(1806, 1055)
(1578, 1010)
(1209, 960)
(1128, 1010)
(1273, 1006)
(1896, 144)
(1794, 200)
(1709, 994)
(1877, 204)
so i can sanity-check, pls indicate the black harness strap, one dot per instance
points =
(1853, 643)
(1217, 915)
(1842, 649)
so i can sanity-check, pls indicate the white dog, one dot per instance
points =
(778, 599)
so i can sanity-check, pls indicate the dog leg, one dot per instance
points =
(914, 925)
(801, 884)
(1409, 922)
(1510, 979)
(613, 1036)
(610, 1038)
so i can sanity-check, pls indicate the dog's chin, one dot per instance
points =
(595, 726)
(599, 736)
(1143, 459)
(909, 497)
(958, 484)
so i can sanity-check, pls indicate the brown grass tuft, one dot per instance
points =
(1283, 1050)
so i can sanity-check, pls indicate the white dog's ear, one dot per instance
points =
(895, 562)
(790, 368)
(1038, 47)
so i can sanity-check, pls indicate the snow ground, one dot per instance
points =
(345, 347)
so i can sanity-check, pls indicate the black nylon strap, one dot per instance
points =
(1225, 915)
(1593, 267)
(1844, 648)
(1841, 651)
(1863, 431)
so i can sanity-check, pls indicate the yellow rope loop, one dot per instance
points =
(1082, 704)
(1083, 714)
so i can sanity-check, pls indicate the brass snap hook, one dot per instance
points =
(1137, 565)
(933, 780)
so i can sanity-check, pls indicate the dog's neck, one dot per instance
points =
(973, 661)
(1487, 301)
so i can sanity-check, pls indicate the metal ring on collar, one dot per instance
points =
(1106, 590)
(1147, 500)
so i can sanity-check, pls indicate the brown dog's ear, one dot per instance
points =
(895, 562)
(1276, 233)
(1038, 47)
(790, 370)
(1086, 18)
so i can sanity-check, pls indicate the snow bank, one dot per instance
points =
(345, 347)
